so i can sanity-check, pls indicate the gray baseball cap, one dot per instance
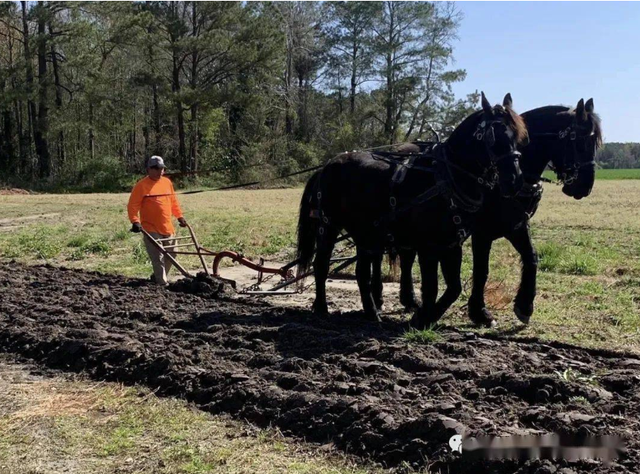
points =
(156, 160)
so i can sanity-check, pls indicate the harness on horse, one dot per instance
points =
(435, 153)
(532, 187)
(445, 186)
(570, 136)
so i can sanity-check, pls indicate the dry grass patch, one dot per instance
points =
(61, 425)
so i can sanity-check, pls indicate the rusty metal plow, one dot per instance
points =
(189, 245)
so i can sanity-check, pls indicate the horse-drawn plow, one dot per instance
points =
(189, 245)
(368, 389)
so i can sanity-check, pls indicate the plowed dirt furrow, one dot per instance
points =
(339, 379)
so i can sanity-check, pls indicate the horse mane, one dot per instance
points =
(570, 111)
(597, 129)
(514, 121)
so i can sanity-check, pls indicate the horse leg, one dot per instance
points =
(363, 275)
(450, 264)
(321, 263)
(478, 312)
(426, 315)
(407, 293)
(376, 280)
(521, 241)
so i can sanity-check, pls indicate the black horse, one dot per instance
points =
(569, 139)
(426, 203)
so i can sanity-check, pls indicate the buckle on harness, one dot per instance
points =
(457, 220)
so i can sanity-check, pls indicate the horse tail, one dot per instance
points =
(394, 264)
(306, 225)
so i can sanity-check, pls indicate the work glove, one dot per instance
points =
(136, 227)
(182, 221)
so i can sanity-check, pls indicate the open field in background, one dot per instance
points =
(588, 285)
(62, 424)
(607, 174)
(618, 174)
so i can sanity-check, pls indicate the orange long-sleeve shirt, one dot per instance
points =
(155, 201)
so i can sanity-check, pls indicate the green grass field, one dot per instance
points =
(588, 284)
(607, 174)
(618, 174)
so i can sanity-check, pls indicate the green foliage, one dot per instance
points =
(619, 156)
(41, 243)
(580, 264)
(571, 375)
(140, 255)
(549, 256)
(246, 90)
(579, 400)
(424, 336)
(553, 258)
(107, 174)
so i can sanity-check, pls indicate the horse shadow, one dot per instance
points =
(298, 333)
(295, 332)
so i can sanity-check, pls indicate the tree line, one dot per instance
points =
(88, 91)
(619, 156)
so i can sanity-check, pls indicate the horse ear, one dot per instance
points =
(507, 101)
(589, 106)
(486, 106)
(580, 113)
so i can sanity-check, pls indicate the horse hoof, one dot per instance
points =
(409, 303)
(482, 318)
(522, 316)
(379, 304)
(420, 322)
(417, 323)
(373, 317)
(487, 323)
(320, 310)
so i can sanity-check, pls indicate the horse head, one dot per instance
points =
(583, 137)
(500, 131)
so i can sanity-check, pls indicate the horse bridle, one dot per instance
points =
(485, 133)
(570, 136)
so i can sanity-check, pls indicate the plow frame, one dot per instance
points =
(193, 247)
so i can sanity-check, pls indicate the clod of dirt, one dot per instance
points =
(202, 285)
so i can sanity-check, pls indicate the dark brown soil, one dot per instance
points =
(339, 380)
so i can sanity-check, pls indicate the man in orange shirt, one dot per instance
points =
(154, 198)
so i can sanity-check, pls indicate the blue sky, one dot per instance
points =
(555, 53)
